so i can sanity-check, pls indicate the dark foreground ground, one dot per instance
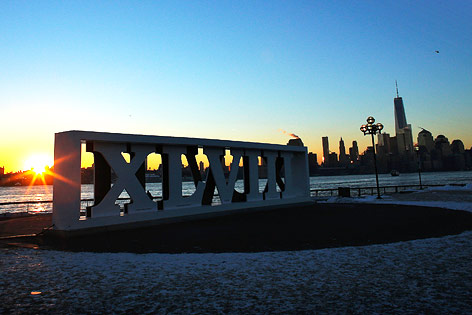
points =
(296, 228)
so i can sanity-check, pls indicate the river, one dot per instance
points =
(44, 193)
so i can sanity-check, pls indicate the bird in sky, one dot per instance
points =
(436, 51)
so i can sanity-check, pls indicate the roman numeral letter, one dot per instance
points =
(172, 184)
(127, 180)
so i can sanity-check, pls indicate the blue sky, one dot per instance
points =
(231, 70)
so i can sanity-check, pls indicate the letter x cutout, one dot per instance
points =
(127, 180)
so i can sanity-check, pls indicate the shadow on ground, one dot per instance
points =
(297, 228)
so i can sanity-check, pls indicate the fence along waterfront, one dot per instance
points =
(314, 193)
(287, 169)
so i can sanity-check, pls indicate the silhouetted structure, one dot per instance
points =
(425, 139)
(333, 159)
(296, 142)
(312, 163)
(439, 155)
(354, 152)
(325, 142)
(403, 130)
(400, 117)
(343, 158)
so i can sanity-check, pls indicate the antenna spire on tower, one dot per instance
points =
(396, 86)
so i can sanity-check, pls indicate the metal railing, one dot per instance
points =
(326, 192)
(366, 191)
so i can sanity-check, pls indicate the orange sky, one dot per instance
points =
(15, 156)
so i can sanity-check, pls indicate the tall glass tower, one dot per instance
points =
(403, 130)
(400, 117)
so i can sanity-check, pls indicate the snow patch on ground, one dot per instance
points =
(467, 187)
(453, 205)
(450, 197)
(421, 276)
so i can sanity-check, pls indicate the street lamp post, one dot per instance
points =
(417, 150)
(373, 129)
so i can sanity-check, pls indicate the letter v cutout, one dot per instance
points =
(127, 179)
(225, 190)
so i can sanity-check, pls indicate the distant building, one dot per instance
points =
(312, 162)
(459, 160)
(393, 145)
(403, 131)
(405, 140)
(441, 143)
(425, 139)
(400, 117)
(296, 142)
(457, 147)
(354, 152)
(325, 143)
(343, 159)
(333, 159)
(383, 140)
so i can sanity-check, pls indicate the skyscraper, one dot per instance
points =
(342, 153)
(325, 150)
(312, 163)
(383, 140)
(354, 152)
(400, 117)
(402, 129)
(342, 149)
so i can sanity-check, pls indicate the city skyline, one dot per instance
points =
(235, 71)
(424, 138)
(38, 161)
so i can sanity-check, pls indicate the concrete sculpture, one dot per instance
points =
(287, 179)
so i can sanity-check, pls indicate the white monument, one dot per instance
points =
(287, 179)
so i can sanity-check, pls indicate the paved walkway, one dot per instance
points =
(447, 197)
(27, 225)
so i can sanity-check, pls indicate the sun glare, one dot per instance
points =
(38, 163)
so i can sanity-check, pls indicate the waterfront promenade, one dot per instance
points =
(430, 275)
(328, 222)
(448, 197)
